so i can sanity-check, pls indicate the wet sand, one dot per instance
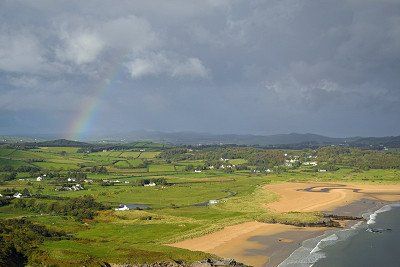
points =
(260, 244)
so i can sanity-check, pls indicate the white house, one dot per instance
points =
(268, 171)
(40, 178)
(322, 170)
(310, 163)
(150, 184)
(122, 207)
(212, 202)
(77, 187)
(71, 180)
(127, 182)
(17, 195)
(197, 171)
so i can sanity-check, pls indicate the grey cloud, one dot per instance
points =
(329, 67)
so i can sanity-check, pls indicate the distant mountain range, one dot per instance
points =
(191, 138)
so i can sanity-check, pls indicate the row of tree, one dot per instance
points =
(84, 207)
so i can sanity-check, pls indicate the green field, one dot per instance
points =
(177, 209)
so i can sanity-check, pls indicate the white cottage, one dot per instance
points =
(122, 208)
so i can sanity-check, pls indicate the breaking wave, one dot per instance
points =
(312, 250)
(372, 217)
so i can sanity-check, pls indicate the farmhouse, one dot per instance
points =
(197, 171)
(40, 178)
(18, 195)
(122, 208)
(150, 184)
(322, 170)
(71, 180)
(212, 202)
(77, 187)
(310, 163)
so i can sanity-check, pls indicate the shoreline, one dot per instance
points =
(262, 244)
(310, 252)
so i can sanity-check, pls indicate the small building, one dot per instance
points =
(322, 170)
(127, 182)
(198, 171)
(76, 187)
(212, 202)
(150, 184)
(39, 179)
(310, 163)
(122, 208)
(17, 195)
(71, 180)
(268, 171)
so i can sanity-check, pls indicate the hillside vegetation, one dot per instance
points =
(67, 193)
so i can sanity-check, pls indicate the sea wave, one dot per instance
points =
(312, 250)
(386, 208)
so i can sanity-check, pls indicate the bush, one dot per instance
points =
(20, 238)
(84, 207)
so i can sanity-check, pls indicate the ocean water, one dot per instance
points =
(374, 243)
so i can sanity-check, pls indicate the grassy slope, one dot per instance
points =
(139, 236)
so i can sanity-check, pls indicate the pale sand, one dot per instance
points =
(252, 243)
(257, 244)
(294, 197)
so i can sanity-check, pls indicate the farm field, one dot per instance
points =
(180, 194)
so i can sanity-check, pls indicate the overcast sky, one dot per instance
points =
(263, 67)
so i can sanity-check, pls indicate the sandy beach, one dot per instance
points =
(261, 244)
(327, 196)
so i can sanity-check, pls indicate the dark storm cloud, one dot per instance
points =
(329, 67)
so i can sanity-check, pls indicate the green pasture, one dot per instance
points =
(128, 237)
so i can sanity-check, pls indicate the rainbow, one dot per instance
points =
(81, 121)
